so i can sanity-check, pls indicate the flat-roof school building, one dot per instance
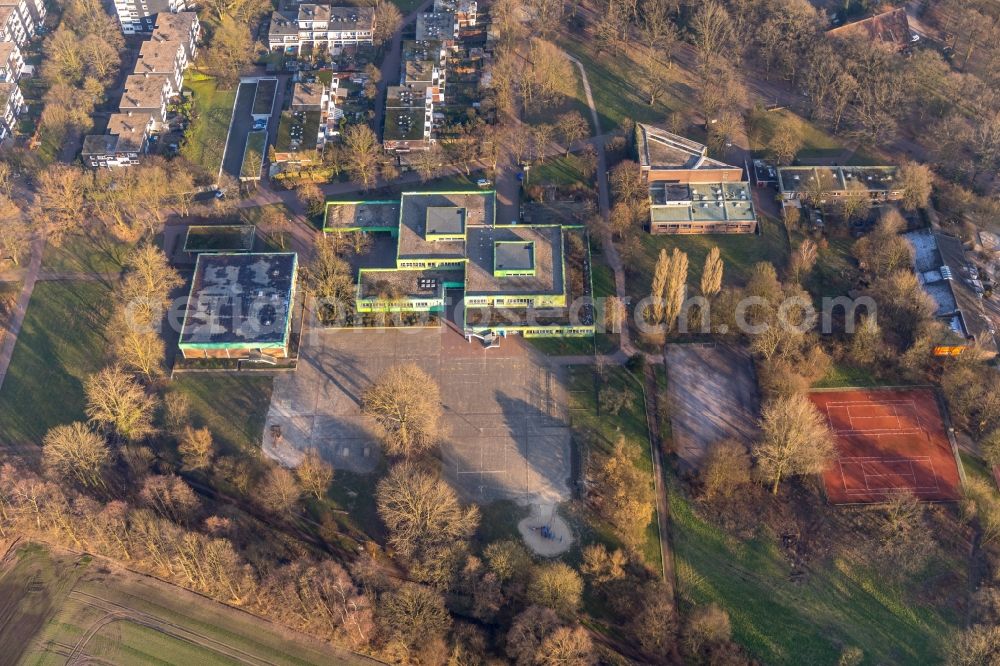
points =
(240, 305)
(521, 278)
(689, 192)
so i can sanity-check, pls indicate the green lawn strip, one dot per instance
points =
(206, 137)
(843, 375)
(603, 279)
(784, 622)
(816, 142)
(203, 632)
(630, 423)
(86, 253)
(61, 343)
(564, 170)
(834, 272)
(232, 405)
(739, 253)
(498, 521)
(977, 468)
(558, 345)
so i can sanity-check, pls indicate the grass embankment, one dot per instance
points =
(804, 621)
(61, 343)
(612, 82)
(86, 252)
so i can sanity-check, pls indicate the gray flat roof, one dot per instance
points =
(240, 300)
(548, 261)
(479, 210)
(660, 149)
(445, 220)
(835, 178)
(365, 214)
(514, 256)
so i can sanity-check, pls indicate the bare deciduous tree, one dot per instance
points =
(280, 491)
(196, 448)
(363, 153)
(795, 440)
(726, 469)
(711, 273)
(421, 511)
(119, 404)
(75, 451)
(803, 259)
(405, 402)
(314, 474)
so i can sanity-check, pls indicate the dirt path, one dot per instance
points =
(653, 409)
(17, 315)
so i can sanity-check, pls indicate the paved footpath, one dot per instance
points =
(653, 401)
(16, 319)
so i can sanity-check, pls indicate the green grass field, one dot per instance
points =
(232, 405)
(739, 254)
(612, 84)
(64, 601)
(562, 170)
(809, 621)
(206, 137)
(602, 430)
(60, 344)
(86, 253)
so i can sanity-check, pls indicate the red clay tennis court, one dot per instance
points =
(887, 440)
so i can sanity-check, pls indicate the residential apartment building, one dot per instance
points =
(311, 26)
(11, 106)
(438, 26)
(146, 93)
(465, 11)
(138, 16)
(165, 58)
(26, 13)
(181, 27)
(12, 28)
(157, 76)
(127, 138)
(11, 61)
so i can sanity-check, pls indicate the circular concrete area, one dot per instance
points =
(545, 532)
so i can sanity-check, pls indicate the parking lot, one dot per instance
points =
(506, 433)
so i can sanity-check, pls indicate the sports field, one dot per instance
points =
(58, 608)
(887, 440)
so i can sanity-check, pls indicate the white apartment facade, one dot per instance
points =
(321, 26)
